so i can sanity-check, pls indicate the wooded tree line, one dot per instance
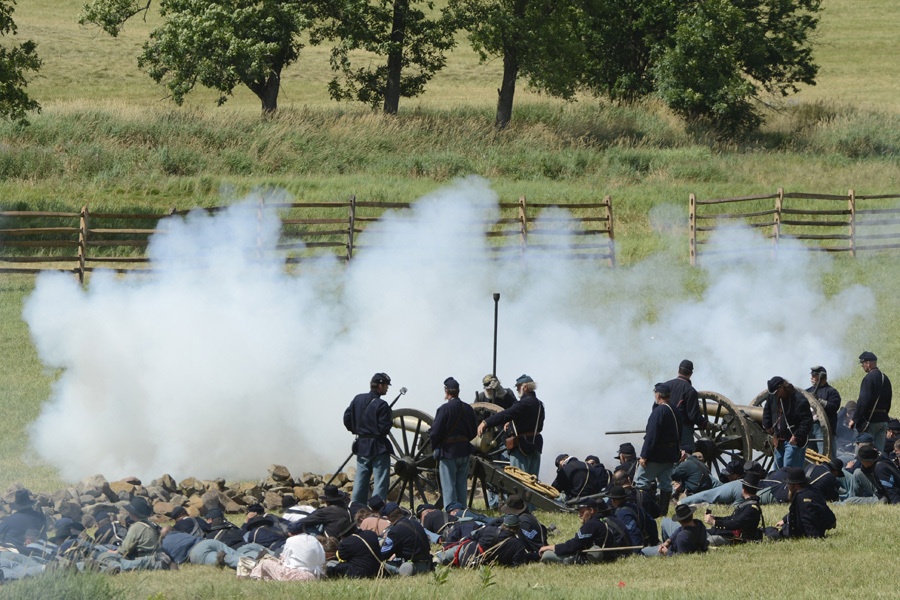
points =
(716, 61)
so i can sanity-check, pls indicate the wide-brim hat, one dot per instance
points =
(22, 500)
(139, 507)
(617, 492)
(683, 512)
(796, 476)
(514, 505)
(867, 453)
(331, 493)
(751, 480)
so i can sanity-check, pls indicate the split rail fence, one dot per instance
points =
(853, 223)
(81, 242)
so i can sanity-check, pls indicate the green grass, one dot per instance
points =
(835, 567)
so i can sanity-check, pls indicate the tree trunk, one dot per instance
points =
(395, 58)
(507, 88)
(269, 94)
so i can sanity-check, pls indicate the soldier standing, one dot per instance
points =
(874, 402)
(526, 420)
(369, 418)
(452, 430)
(831, 401)
(788, 419)
(661, 449)
(684, 399)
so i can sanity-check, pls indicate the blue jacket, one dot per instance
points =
(874, 401)
(369, 417)
(453, 428)
(662, 441)
(527, 415)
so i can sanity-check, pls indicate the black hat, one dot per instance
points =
(683, 512)
(867, 356)
(376, 503)
(865, 438)
(592, 458)
(23, 500)
(663, 389)
(894, 425)
(288, 500)
(331, 493)
(381, 378)
(454, 506)
(451, 384)
(422, 508)
(256, 508)
(867, 453)
(819, 370)
(139, 507)
(215, 513)
(590, 503)
(178, 512)
(524, 379)
(796, 475)
(617, 492)
(686, 365)
(835, 464)
(626, 448)
(734, 467)
(560, 459)
(66, 527)
(775, 383)
(185, 525)
(751, 480)
(514, 505)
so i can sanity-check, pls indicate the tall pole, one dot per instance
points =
(496, 308)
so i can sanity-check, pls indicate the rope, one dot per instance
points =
(531, 481)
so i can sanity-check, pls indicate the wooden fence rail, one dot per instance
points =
(851, 229)
(81, 242)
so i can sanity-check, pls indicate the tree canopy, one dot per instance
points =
(219, 44)
(16, 63)
(411, 36)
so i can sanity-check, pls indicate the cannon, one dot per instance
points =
(738, 432)
(414, 473)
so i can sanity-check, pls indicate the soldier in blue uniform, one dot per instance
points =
(576, 479)
(358, 555)
(684, 399)
(883, 472)
(599, 531)
(369, 418)
(406, 549)
(452, 430)
(787, 417)
(808, 515)
(831, 402)
(526, 421)
(874, 402)
(637, 520)
(689, 537)
(661, 448)
(743, 523)
(24, 518)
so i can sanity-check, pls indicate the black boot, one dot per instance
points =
(663, 501)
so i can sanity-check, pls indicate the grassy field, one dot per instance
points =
(108, 137)
(829, 568)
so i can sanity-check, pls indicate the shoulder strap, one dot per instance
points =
(678, 424)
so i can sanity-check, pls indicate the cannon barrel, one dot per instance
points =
(754, 413)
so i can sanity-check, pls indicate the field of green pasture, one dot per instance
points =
(853, 560)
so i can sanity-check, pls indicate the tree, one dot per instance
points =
(535, 38)
(726, 54)
(15, 65)
(413, 43)
(219, 44)
(708, 60)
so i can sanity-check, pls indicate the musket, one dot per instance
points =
(402, 390)
(574, 501)
(625, 432)
(596, 550)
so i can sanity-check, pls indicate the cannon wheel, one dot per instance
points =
(729, 439)
(414, 470)
(819, 410)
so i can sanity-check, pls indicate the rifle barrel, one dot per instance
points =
(625, 432)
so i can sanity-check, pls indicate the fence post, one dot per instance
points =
(852, 203)
(82, 242)
(776, 227)
(612, 239)
(523, 223)
(352, 229)
(692, 228)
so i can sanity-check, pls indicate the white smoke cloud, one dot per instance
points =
(219, 365)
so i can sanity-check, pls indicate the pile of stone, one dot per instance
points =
(95, 494)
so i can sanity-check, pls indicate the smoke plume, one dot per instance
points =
(218, 366)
